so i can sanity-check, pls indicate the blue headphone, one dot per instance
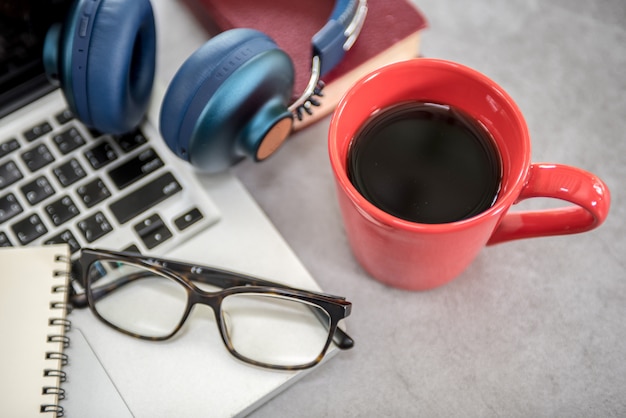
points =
(229, 99)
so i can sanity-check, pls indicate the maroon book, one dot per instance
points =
(390, 33)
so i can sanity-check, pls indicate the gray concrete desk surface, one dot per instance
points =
(534, 327)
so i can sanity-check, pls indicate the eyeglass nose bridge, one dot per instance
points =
(212, 301)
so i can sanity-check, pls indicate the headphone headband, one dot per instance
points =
(339, 33)
(329, 46)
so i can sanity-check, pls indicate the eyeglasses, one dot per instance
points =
(262, 323)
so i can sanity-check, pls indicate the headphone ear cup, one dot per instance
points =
(105, 61)
(228, 100)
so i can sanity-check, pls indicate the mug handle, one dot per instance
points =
(586, 191)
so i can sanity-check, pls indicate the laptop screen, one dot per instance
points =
(23, 27)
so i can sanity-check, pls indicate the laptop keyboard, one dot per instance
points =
(61, 182)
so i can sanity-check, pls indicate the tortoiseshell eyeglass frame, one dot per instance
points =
(186, 274)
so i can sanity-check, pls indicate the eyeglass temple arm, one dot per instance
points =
(225, 279)
(340, 338)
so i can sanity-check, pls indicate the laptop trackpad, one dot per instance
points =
(88, 390)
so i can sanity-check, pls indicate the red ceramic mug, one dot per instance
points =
(417, 256)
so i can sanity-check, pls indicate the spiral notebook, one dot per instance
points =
(33, 325)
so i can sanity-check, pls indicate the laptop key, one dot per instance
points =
(68, 140)
(4, 240)
(62, 210)
(9, 207)
(144, 198)
(94, 227)
(37, 190)
(66, 237)
(37, 157)
(93, 192)
(131, 140)
(37, 131)
(153, 231)
(132, 249)
(69, 172)
(136, 168)
(100, 155)
(64, 116)
(29, 229)
(186, 220)
(9, 174)
(8, 147)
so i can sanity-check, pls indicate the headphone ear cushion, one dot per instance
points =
(110, 86)
(189, 94)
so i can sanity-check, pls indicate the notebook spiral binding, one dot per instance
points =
(61, 326)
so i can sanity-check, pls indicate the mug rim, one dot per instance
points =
(368, 209)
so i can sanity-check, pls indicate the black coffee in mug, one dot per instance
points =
(425, 162)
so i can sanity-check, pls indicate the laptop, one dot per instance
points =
(62, 182)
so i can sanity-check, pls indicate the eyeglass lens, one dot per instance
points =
(261, 327)
(143, 302)
(275, 330)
